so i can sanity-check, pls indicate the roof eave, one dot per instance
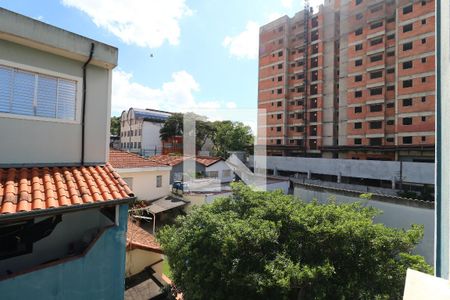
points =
(63, 209)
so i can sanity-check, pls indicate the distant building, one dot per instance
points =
(207, 166)
(355, 79)
(63, 209)
(139, 130)
(149, 180)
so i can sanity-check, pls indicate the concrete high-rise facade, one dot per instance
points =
(356, 79)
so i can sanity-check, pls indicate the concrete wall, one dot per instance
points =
(220, 167)
(178, 170)
(55, 246)
(144, 182)
(137, 260)
(43, 141)
(412, 172)
(100, 274)
(394, 215)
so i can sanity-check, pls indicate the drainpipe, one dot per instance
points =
(83, 113)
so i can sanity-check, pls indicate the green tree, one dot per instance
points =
(115, 126)
(231, 136)
(174, 126)
(267, 245)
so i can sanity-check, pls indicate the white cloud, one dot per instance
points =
(176, 95)
(286, 3)
(244, 44)
(146, 23)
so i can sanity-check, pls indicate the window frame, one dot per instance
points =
(46, 72)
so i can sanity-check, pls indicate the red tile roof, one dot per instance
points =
(139, 238)
(173, 160)
(28, 189)
(122, 160)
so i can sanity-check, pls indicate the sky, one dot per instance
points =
(174, 55)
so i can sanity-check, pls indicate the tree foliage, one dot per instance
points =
(266, 245)
(231, 136)
(225, 135)
(115, 126)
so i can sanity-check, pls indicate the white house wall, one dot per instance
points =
(220, 167)
(144, 182)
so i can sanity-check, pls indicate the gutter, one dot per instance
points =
(83, 114)
(63, 209)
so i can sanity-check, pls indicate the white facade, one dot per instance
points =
(221, 171)
(139, 130)
(144, 182)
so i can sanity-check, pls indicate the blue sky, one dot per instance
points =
(204, 52)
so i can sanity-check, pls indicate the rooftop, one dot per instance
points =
(126, 160)
(139, 238)
(26, 190)
(173, 160)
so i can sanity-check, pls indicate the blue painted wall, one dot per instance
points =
(100, 274)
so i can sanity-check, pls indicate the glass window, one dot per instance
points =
(159, 181)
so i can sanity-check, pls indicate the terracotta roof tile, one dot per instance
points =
(123, 160)
(173, 160)
(28, 189)
(139, 238)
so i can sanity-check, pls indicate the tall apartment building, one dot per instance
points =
(353, 80)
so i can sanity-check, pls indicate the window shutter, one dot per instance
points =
(23, 93)
(46, 97)
(6, 78)
(66, 99)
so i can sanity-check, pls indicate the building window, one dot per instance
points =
(424, 119)
(375, 125)
(279, 103)
(280, 66)
(375, 107)
(391, 53)
(424, 79)
(407, 140)
(390, 140)
(159, 181)
(357, 141)
(390, 71)
(407, 9)
(278, 142)
(358, 94)
(391, 36)
(280, 78)
(376, 91)
(407, 83)
(407, 65)
(407, 121)
(407, 102)
(390, 88)
(376, 41)
(14, 240)
(391, 19)
(407, 46)
(358, 62)
(358, 109)
(424, 60)
(358, 78)
(375, 141)
(359, 31)
(278, 129)
(279, 91)
(279, 116)
(358, 47)
(376, 57)
(33, 94)
(357, 125)
(408, 27)
(423, 2)
(376, 74)
(424, 99)
(358, 2)
(390, 122)
(424, 40)
(390, 105)
(280, 53)
(376, 25)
